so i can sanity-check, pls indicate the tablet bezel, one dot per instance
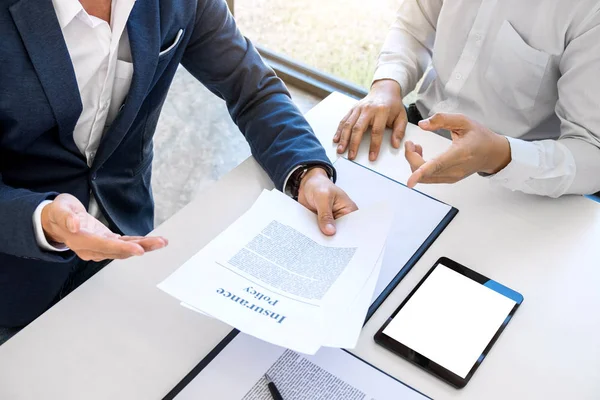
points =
(424, 362)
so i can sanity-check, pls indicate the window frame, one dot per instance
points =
(305, 77)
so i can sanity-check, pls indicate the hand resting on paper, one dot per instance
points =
(66, 221)
(320, 195)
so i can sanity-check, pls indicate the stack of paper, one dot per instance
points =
(273, 275)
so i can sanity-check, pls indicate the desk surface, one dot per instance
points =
(119, 337)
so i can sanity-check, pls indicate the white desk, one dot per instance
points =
(119, 337)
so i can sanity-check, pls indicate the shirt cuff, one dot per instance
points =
(40, 236)
(395, 73)
(524, 165)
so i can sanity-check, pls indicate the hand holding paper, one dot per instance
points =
(274, 275)
(319, 194)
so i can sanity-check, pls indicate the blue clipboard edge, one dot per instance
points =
(223, 343)
(418, 254)
(594, 197)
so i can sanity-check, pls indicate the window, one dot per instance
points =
(340, 38)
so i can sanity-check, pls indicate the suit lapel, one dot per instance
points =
(38, 26)
(144, 37)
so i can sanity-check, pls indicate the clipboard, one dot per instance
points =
(346, 167)
(189, 378)
(351, 169)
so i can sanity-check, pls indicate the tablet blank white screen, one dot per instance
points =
(450, 320)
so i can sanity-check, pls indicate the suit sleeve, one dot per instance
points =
(17, 235)
(228, 65)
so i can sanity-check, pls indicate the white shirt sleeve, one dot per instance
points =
(569, 165)
(406, 52)
(39, 230)
(544, 167)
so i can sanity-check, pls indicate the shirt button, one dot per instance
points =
(478, 37)
(104, 106)
(458, 77)
(92, 154)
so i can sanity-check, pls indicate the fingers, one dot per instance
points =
(379, 124)
(399, 130)
(414, 155)
(147, 243)
(342, 204)
(338, 133)
(357, 133)
(442, 169)
(87, 255)
(108, 246)
(98, 248)
(451, 122)
(346, 130)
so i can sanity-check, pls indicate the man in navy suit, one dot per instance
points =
(82, 84)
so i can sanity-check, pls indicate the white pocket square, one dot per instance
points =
(174, 44)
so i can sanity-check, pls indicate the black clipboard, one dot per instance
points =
(223, 343)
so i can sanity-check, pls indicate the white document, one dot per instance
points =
(345, 327)
(274, 275)
(237, 373)
(416, 215)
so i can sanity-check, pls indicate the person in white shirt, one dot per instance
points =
(514, 82)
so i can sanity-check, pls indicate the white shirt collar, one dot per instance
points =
(67, 10)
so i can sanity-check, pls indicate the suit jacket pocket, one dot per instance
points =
(169, 49)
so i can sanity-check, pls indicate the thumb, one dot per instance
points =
(450, 122)
(65, 213)
(73, 223)
(324, 206)
(65, 218)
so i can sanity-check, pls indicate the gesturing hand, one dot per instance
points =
(66, 221)
(380, 109)
(474, 149)
(320, 195)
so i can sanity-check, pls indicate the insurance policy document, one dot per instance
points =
(238, 372)
(273, 274)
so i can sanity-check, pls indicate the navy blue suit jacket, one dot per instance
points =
(40, 105)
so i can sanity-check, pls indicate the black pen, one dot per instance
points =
(273, 389)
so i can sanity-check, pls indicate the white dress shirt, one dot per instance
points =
(101, 58)
(525, 69)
